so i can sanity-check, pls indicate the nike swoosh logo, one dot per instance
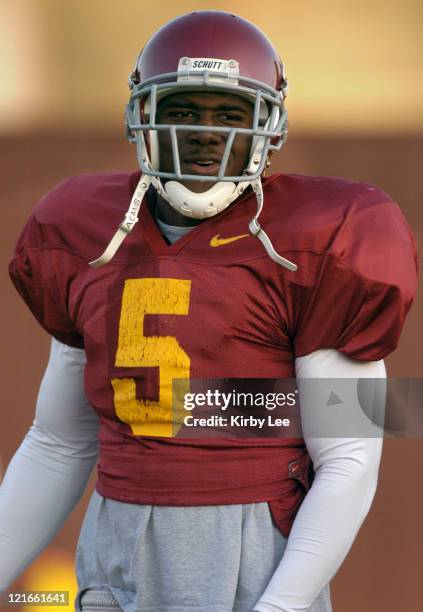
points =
(216, 241)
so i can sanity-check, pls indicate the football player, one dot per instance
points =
(201, 288)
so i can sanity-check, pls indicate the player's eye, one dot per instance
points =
(231, 118)
(180, 115)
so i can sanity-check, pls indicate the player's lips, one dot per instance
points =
(202, 164)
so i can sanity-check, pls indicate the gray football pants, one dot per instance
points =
(178, 559)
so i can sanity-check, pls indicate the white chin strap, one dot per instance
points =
(258, 232)
(203, 204)
(128, 223)
(199, 205)
(231, 192)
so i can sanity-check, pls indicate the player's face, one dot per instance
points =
(200, 152)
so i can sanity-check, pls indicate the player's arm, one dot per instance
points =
(346, 471)
(49, 472)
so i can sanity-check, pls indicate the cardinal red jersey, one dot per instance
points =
(212, 305)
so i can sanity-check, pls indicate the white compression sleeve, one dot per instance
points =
(50, 470)
(342, 492)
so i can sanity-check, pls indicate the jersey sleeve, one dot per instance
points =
(354, 297)
(42, 276)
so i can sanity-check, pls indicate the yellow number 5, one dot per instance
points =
(143, 296)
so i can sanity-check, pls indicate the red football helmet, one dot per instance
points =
(211, 34)
(205, 51)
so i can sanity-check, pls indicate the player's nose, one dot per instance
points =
(204, 136)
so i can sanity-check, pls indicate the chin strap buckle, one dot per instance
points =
(254, 227)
